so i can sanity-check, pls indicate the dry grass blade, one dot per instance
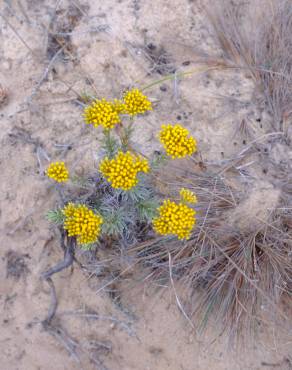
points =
(3, 95)
(258, 39)
(180, 306)
(238, 265)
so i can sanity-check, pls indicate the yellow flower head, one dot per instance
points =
(102, 112)
(175, 219)
(58, 172)
(122, 170)
(176, 142)
(82, 222)
(136, 103)
(118, 106)
(187, 196)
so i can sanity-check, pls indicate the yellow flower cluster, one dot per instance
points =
(187, 196)
(175, 219)
(82, 222)
(106, 113)
(102, 112)
(119, 106)
(58, 172)
(136, 103)
(122, 170)
(176, 141)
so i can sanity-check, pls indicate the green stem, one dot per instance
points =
(176, 75)
(107, 136)
(131, 122)
(109, 143)
(159, 160)
(125, 137)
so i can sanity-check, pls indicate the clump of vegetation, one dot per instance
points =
(258, 40)
(185, 231)
(124, 204)
(189, 222)
(235, 265)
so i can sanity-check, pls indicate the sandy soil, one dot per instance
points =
(51, 52)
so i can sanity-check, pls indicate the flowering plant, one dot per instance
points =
(124, 200)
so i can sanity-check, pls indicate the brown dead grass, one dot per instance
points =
(3, 95)
(258, 39)
(240, 252)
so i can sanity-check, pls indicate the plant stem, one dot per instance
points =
(176, 75)
(126, 134)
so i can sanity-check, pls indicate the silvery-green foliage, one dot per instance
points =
(147, 209)
(114, 221)
(55, 216)
(82, 182)
(88, 247)
(126, 214)
(158, 160)
(109, 145)
(136, 194)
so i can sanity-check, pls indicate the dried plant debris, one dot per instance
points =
(159, 59)
(62, 25)
(238, 258)
(3, 95)
(16, 265)
(260, 43)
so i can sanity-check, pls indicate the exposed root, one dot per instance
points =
(76, 349)
(53, 305)
(19, 134)
(67, 261)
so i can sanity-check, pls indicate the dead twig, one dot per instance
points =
(95, 316)
(44, 75)
(21, 223)
(19, 134)
(65, 339)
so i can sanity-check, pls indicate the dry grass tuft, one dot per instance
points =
(257, 37)
(239, 255)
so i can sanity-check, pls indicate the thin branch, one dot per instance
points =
(44, 75)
